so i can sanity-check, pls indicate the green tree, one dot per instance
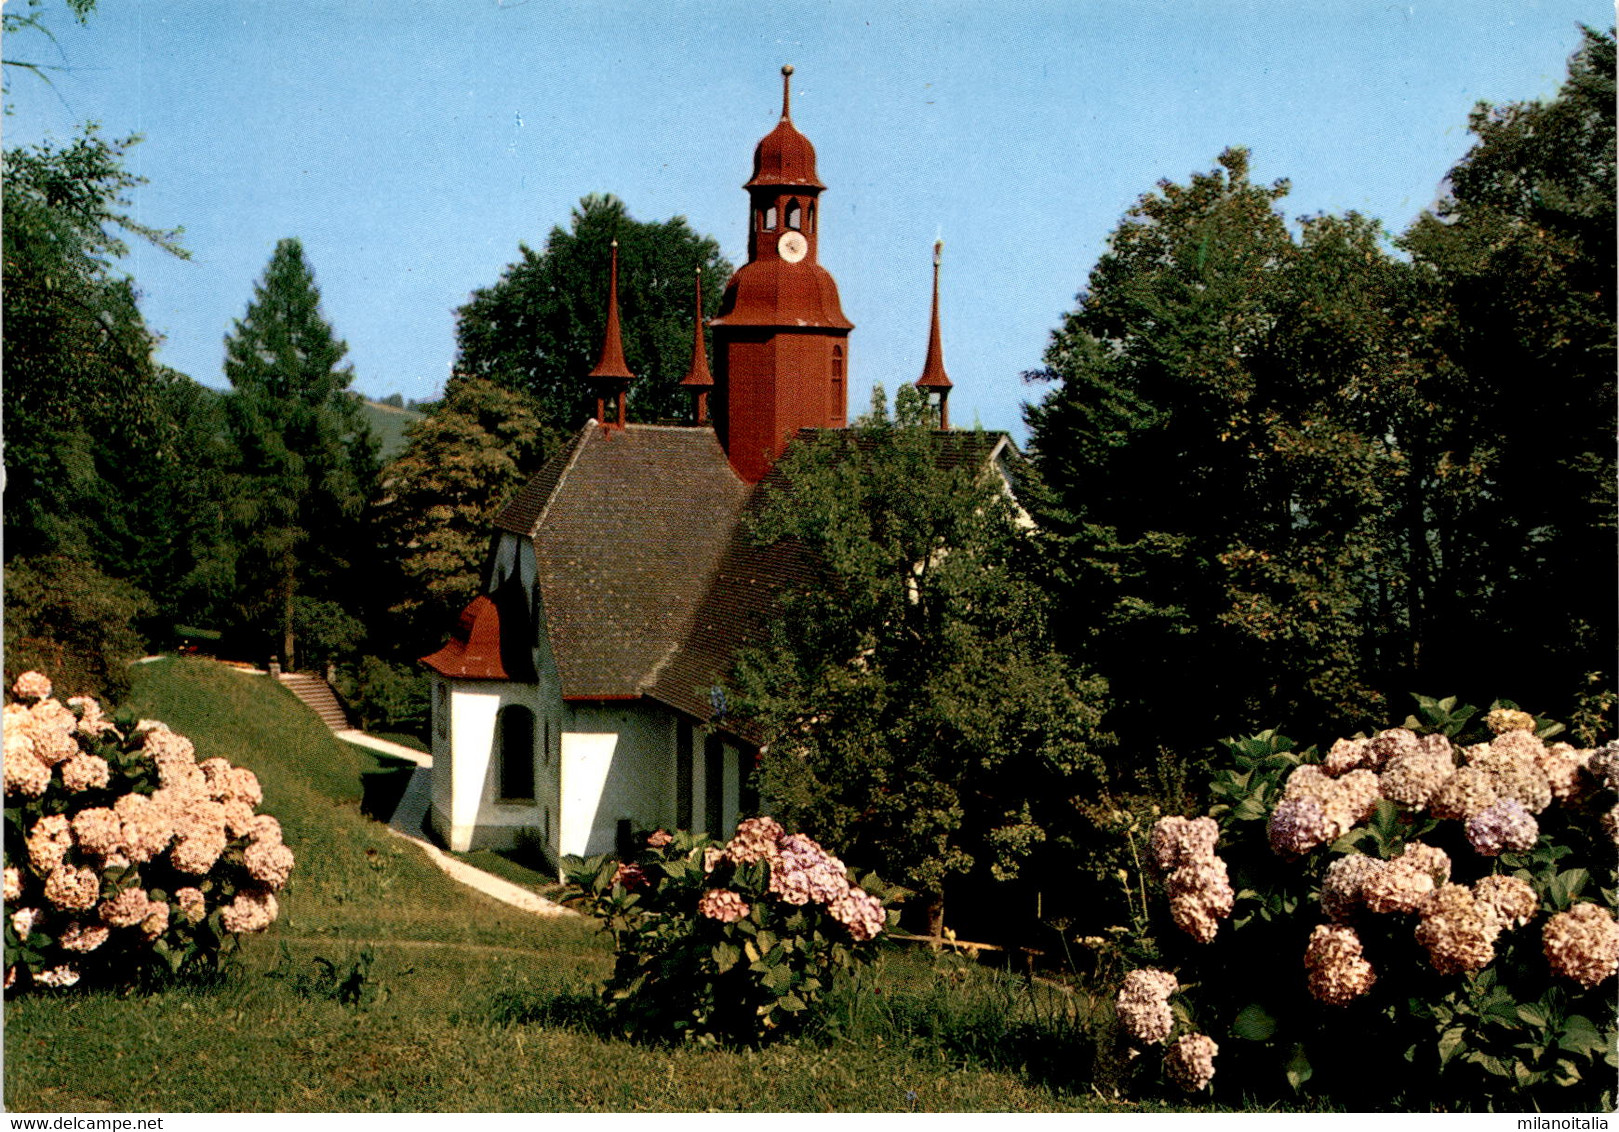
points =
(80, 391)
(305, 461)
(460, 465)
(77, 625)
(539, 329)
(1215, 463)
(29, 18)
(1517, 479)
(916, 713)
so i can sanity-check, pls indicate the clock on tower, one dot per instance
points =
(780, 339)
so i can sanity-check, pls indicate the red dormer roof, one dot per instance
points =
(784, 156)
(473, 650)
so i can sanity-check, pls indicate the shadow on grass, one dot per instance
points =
(942, 1011)
(958, 1015)
(382, 789)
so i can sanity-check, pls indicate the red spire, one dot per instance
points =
(611, 365)
(784, 156)
(698, 380)
(611, 373)
(934, 381)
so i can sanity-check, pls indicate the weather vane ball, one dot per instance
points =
(786, 68)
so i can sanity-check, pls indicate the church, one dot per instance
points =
(582, 693)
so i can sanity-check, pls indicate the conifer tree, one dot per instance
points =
(305, 460)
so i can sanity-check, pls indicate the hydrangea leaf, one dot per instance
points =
(1299, 1069)
(1254, 1023)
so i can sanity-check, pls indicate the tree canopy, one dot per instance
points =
(911, 697)
(1293, 477)
(1520, 264)
(539, 329)
(305, 461)
(461, 464)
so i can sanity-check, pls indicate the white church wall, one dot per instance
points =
(720, 823)
(617, 764)
(467, 810)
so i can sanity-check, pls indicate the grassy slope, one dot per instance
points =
(388, 424)
(432, 1039)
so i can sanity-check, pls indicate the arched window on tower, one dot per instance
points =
(794, 215)
(809, 225)
(838, 402)
(770, 218)
(514, 747)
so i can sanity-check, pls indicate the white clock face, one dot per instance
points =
(792, 246)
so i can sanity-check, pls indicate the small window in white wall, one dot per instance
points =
(441, 709)
(514, 746)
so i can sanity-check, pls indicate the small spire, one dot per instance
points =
(934, 381)
(698, 380)
(611, 370)
(786, 91)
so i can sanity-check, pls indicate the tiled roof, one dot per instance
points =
(737, 606)
(650, 580)
(627, 527)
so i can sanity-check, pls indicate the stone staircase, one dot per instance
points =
(318, 697)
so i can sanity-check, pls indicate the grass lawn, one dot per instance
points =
(454, 986)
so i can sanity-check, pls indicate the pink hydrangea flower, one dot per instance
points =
(32, 686)
(723, 905)
(251, 911)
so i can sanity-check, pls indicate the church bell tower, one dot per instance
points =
(780, 339)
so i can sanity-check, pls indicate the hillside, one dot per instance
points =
(388, 424)
(466, 1005)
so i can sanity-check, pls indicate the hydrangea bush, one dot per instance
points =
(733, 942)
(124, 856)
(1423, 916)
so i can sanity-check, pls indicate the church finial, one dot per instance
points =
(698, 380)
(611, 374)
(934, 382)
(786, 91)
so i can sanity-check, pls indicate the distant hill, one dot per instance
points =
(388, 425)
(387, 422)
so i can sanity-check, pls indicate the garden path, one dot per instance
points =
(409, 822)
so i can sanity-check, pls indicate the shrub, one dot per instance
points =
(735, 942)
(68, 618)
(386, 696)
(1420, 917)
(125, 858)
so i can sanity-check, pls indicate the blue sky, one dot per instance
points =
(413, 144)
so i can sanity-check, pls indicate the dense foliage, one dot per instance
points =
(910, 697)
(1419, 918)
(65, 616)
(305, 463)
(539, 329)
(733, 942)
(125, 857)
(1291, 475)
(1510, 440)
(461, 464)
